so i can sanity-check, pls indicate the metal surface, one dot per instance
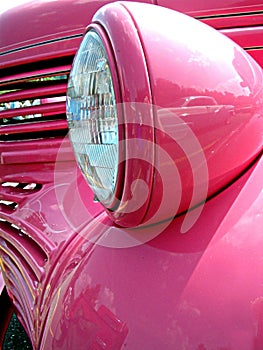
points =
(200, 290)
(78, 281)
(210, 140)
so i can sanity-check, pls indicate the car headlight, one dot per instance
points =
(101, 112)
(153, 106)
(92, 117)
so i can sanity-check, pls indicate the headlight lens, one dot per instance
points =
(92, 116)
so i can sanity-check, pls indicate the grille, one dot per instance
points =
(32, 127)
(23, 258)
(12, 193)
(23, 261)
(32, 100)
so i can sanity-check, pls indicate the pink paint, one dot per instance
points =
(191, 129)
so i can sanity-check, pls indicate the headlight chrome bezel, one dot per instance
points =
(132, 100)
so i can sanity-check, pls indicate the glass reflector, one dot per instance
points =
(92, 116)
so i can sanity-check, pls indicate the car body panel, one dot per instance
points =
(178, 59)
(40, 31)
(240, 20)
(214, 8)
(76, 279)
(75, 15)
(199, 290)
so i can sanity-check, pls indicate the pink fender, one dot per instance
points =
(176, 278)
(183, 153)
(199, 290)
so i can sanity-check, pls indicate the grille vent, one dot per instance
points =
(22, 261)
(32, 100)
(12, 193)
(23, 258)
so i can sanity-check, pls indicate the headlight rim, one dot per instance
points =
(124, 49)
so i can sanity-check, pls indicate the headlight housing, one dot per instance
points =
(92, 117)
(104, 120)
(183, 153)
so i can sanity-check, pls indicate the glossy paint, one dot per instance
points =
(251, 39)
(75, 16)
(78, 281)
(214, 8)
(207, 142)
(240, 20)
(200, 290)
(47, 29)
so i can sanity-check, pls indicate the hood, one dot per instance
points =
(44, 20)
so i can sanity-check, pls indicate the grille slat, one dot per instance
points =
(22, 295)
(18, 193)
(11, 197)
(44, 109)
(18, 78)
(17, 278)
(34, 127)
(33, 100)
(38, 92)
(21, 309)
(6, 208)
(20, 242)
(41, 155)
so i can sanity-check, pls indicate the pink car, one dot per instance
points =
(131, 198)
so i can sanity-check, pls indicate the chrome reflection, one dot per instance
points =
(18, 105)
(10, 106)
